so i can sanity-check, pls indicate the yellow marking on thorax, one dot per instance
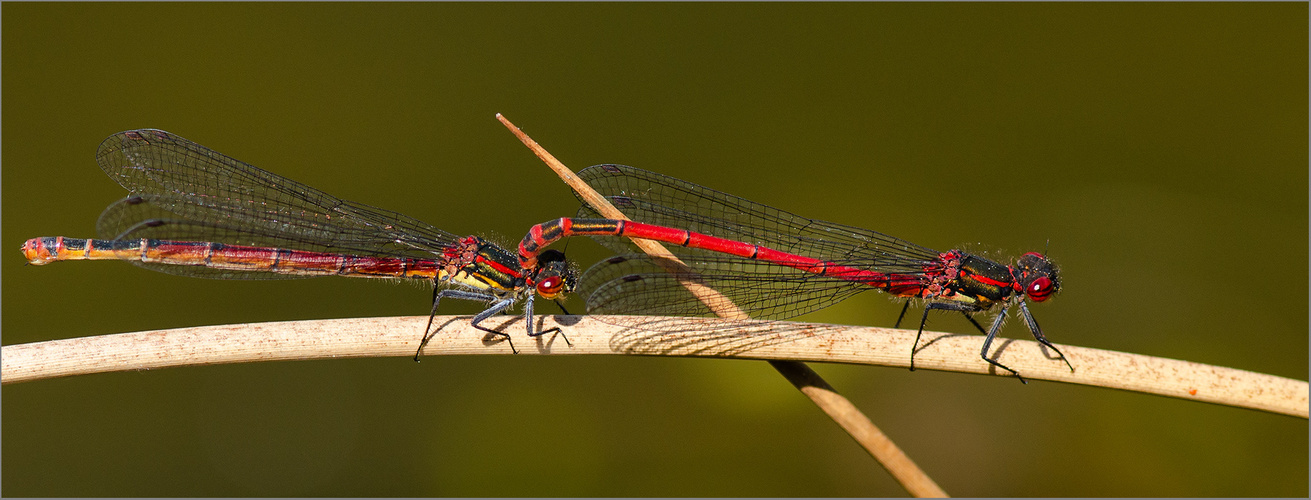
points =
(963, 298)
(472, 280)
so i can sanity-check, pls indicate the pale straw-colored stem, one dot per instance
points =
(647, 336)
(717, 302)
(859, 426)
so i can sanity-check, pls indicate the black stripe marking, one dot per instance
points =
(277, 260)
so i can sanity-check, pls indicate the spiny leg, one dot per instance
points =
(454, 294)
(987, 341)
(975, 323)
(495, 309)
(528, 313)
(1037, 334)
(901, 316)
(566, 312)
(946, 306)
(436, 299)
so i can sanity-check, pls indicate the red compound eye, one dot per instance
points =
(1040, 289)
(550, 287)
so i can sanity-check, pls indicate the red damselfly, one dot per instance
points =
(774, 264)
(195, 212)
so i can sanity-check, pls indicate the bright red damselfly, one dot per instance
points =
(196, 212)
(774, 264)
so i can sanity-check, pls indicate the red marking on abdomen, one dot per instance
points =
(374, 266)
(731, 247)
(228, 257)
(659, 233)
(808, 264)
(547, 233)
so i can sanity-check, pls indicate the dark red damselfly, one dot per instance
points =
(195, 212)
(774, 264)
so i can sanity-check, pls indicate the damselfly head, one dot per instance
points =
(1038, 276)
(554, 275)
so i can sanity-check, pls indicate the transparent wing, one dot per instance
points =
(639, 284)
(662, 200)
(204, 195)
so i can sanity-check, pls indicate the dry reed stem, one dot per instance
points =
(859, 426)
(652, 336)
(717, 302)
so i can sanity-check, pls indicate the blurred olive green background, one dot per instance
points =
(1158, 152)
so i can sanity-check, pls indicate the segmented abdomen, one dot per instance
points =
(203, 254)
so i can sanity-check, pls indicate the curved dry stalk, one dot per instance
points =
(857, 425)
(647, 336)
(861, 428)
